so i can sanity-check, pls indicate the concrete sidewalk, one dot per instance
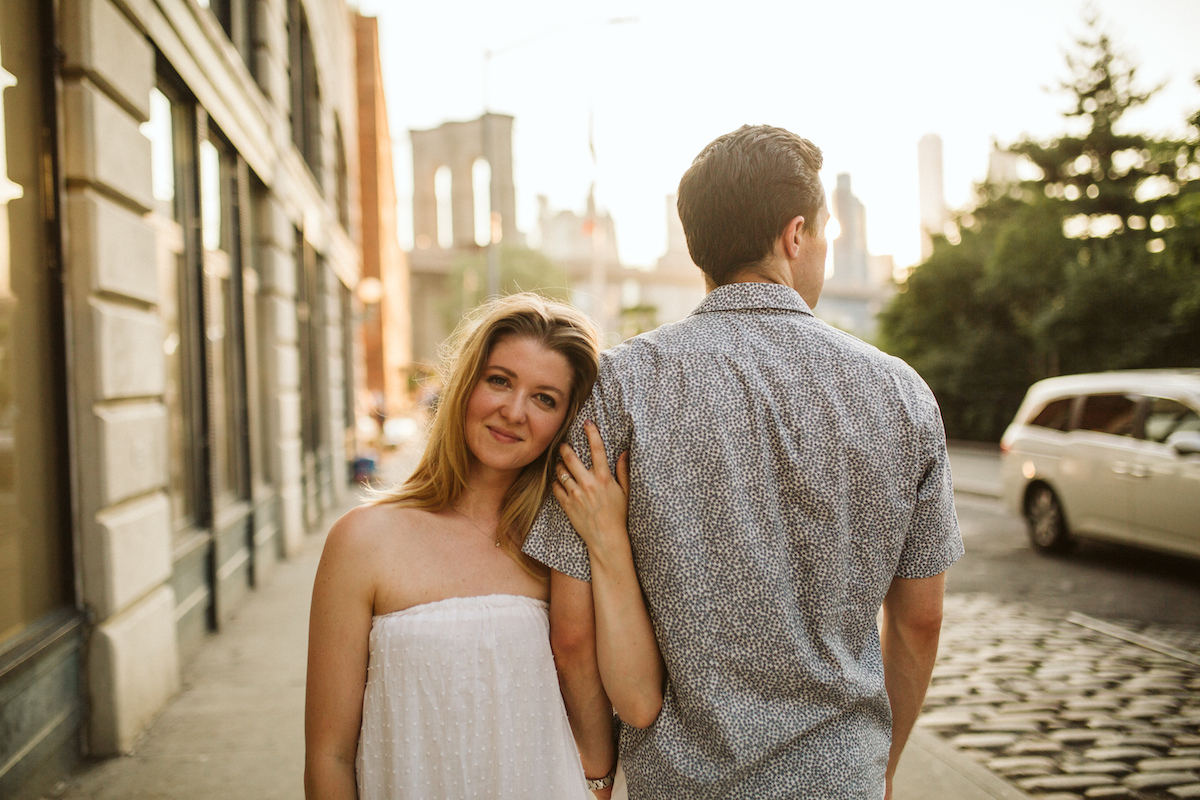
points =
(932, 769)
(236, 731)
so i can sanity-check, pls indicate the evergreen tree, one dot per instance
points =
(1093, 264)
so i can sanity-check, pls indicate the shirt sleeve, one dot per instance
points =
(934, 541)
(552, 540)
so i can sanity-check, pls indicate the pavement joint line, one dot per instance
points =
(1117, 632)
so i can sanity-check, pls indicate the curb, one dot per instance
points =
(977, 488)
(932, 768)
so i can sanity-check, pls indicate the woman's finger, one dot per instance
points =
(599, 456)
(623, 471)
(572, 463)
(562, 475)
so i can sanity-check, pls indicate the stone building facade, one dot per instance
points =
(178, 251)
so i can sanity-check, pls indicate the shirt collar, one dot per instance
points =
(753, 296)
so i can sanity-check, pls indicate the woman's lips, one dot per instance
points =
(503, 436)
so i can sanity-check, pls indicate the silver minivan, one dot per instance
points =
(1110, 455)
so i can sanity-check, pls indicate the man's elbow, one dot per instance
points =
(927, 624)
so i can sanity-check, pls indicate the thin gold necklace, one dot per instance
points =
(472, 523)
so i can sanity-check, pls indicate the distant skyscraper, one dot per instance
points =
(932, 191)
(861, 283)
(850, 248)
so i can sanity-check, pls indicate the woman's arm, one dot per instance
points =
(631, 666)
(338, 632)
(573, 641)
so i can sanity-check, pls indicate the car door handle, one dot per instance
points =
(1120, 468)
(1139, 471)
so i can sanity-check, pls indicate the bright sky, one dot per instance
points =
(863, 80)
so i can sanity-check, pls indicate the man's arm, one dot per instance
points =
(573, 640)
(912, 623)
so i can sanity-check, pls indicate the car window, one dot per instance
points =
(1164, 417)
(1056, 415)
(1109, 413)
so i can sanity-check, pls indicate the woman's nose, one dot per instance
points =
(514, 409)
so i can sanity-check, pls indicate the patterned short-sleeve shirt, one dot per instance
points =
(782, 474)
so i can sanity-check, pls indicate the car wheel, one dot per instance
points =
(1044, 516)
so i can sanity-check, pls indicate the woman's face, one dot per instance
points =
(518, 404)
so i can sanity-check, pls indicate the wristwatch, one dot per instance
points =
(602, 783)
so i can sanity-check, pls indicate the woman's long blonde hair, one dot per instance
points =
(441, 476)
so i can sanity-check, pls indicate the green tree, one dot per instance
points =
(521, 270)
(1092, 264)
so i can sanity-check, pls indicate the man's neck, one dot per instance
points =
(774, 268)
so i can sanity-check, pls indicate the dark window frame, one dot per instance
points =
(341, 177)
(193, 377)
(63, 621)
(223, 310)
(239, 20)
(305, 90)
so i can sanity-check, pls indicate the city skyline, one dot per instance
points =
(865, 83)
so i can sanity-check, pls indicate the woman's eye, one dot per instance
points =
(547, 400)
(497, 380)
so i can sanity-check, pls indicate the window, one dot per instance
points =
(342, 200)
(257, 346)
(171, 132)
(1164, 417)
(306, 93)
(314, 379)
(35, 558)
(200, 188)
(1056, 415)
(1109, 413)
(237, 18)
(220, 226)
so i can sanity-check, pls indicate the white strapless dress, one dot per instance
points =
(462, 701)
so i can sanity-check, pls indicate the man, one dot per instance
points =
(787, 481)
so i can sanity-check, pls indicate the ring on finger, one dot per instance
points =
(564, 476)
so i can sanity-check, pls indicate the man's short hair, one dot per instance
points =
(742, 191)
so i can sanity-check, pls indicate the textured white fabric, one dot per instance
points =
(462, 701)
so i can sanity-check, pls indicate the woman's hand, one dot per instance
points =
(596, 502)
(627, 655)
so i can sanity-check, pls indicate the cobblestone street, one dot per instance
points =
(1069, 708)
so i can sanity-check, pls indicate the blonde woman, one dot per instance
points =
(429, 668)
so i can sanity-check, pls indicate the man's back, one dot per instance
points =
(782, 474)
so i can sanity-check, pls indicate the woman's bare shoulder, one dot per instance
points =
(369, 529)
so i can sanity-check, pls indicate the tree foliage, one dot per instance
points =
(521, 270)
(1093, 264)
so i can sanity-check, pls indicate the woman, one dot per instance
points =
(429, 672)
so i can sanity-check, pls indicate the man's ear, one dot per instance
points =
(792, 242)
